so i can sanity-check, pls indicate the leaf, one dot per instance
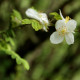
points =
(26, 21)
(56, 15)
(25, 63)
(17, 14)
(36, 25)
(18, 61)
(16, 18)
(9, 39)
(14, 55)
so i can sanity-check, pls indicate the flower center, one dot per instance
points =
(67, 19)
(40, 15)
(62, 30)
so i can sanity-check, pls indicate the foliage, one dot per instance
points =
(7, 43)
(35, 24)
(16, 18)
(18, 39)
(6, 47)
(56, 15)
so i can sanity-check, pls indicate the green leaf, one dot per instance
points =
(14, 55)
(36, 25)
(26, 21)
(17, 14)
(16, 18)
(9, 39)
(56, 15)
(25, 63)
(18, 61)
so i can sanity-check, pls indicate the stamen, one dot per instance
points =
(63, 31)
(67, 19)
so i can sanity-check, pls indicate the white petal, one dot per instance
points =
(59, 24)
(32, 14)
(71, 25)
(61, 15)
(55, 38)
(69, 38)
(44, 18)
(44, 28)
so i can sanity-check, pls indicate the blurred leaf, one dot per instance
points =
(16, 18)
(26, 21)
(9, 39)
(14, 55)
(36, 25)
(56, 15)
(25, 63)
(16, 14)
(18, 60)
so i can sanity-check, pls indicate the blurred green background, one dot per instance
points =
(47, 61)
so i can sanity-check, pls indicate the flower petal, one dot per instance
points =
(45, 29)
(32, 14)
(61, 15)
(59, 24)
(69, 38)
(55, 38)
(44, 18)
(71, 25)
(44, 21)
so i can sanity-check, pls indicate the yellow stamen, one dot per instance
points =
(63, 30)
(67, 19)
(40, 16)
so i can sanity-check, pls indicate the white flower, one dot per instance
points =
(64, 29)
(41, 17)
